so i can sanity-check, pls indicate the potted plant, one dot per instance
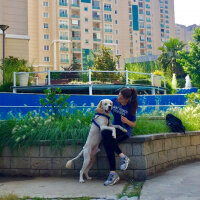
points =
(24, 77)
(157, 78)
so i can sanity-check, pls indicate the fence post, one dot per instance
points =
(90, 76)
(152, 82)
(90, 82)
(126, 77)
(49, 77)
(14, 82)
(165, 92)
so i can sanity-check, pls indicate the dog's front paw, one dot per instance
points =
(81, 181)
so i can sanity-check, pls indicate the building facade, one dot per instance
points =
(15, 15)
(184, 33)
(64, 32)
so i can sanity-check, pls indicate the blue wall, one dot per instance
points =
(22, 103)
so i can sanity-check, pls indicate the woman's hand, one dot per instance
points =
(128, 122)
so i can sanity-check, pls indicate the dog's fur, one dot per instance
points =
(94, 138)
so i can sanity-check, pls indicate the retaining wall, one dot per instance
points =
(149, 154)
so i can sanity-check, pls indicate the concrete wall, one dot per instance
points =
(149, 154)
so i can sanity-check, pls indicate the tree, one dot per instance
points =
(104, 61)
(191, 60)
(169, 56)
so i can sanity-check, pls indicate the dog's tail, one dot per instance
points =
(69, 163)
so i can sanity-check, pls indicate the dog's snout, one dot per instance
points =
(109, 107)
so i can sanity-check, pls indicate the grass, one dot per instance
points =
(29, 130)
(132, 189)
(15, 197)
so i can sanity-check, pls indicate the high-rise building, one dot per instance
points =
(64, 32)
(15, 15)
(184, 33)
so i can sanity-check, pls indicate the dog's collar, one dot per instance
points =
(93, 121)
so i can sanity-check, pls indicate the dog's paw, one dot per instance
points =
(81, 181)
(124, 130)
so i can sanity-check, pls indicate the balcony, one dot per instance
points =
(63, 37)
(75, 38)
(76, 49)
(96, 18)
(108, 30)
(108, 20)
(75, 16)
(96, 40)
(107, 9)
(96, 7)
(63, 15)
(64, 49)
(75, 5)
(75, 27)
(96, 29)
(64, 60)
(108, 41)
(63, 26)
(62, 3)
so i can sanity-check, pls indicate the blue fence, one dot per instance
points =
(22, 103)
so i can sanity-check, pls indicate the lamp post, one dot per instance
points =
(3, 28)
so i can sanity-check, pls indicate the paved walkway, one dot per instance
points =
(181, 183)
(65, 187)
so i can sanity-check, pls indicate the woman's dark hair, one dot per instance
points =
(131, 93)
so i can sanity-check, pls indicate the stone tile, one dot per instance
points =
(20, 163)
(5, 162)
(41, 163)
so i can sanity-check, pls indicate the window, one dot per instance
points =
(85, 8)
(108, 28)
(62, 2)
(45, 14)
(96, 15)
(63, 24)
(108, 39)
(147, 6)
(86, 19)
(64, 58)
(166, 2)
(45, 3)
(116, 22)
(107, 7)
(86, 30)
(46, 59)
(107, 17)
(62, 13)
(148, 12)
(64, 47)
(63, 35)
(95, 4)
(86, 41)
(46, 26)
(141, 11)
(117, 41)
(46, 47)
(116, 32)
(115, 11)
(46, 36)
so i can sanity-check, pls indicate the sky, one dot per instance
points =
(187, 12)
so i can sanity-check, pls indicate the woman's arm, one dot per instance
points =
(128, 122)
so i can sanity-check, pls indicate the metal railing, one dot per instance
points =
(89, 77)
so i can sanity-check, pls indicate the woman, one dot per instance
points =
(124, 112)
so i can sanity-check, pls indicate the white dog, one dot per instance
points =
(99, 123)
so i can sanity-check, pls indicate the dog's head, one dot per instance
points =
(106, 105)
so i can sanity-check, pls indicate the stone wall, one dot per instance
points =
(149, 154)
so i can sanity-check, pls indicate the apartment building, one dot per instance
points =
(15, 15)
(184, 33)
(64, 32)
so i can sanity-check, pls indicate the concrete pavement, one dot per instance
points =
(181, 183)
(51, 187)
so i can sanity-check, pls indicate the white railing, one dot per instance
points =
(88, 77)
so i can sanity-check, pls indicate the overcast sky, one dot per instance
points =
(187, 12)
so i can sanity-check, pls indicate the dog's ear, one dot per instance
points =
(100, 104)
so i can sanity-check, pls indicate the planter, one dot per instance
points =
(23, 79)
(149, 155)
(157, 81)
